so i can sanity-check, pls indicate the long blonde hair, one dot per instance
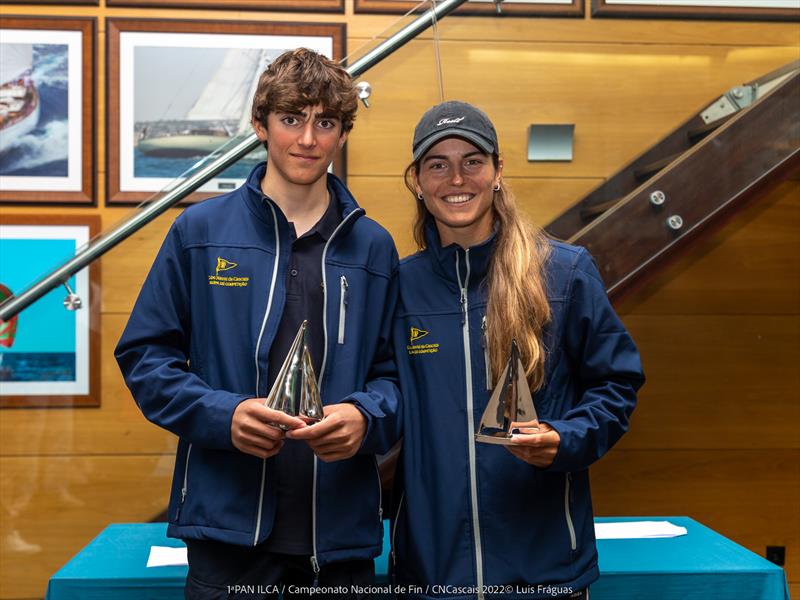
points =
(517, 304)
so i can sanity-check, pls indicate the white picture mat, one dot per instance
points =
(129, 41)
(79, 387)
(74, 42)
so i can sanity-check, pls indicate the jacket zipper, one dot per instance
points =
(573, 544)
(394, 529)
(471, 425)
(486, 357)
(185, 487)
(342, 306)
(258, 373)
(314, 561)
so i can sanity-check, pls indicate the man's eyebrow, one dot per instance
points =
(326, 115)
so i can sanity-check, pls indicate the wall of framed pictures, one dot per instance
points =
(719, 329)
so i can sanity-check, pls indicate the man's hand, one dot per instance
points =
(254, 428)
(536, 447)
(338, 435)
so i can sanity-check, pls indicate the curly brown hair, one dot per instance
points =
(300, 78)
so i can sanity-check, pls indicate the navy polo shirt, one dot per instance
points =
(292, 469)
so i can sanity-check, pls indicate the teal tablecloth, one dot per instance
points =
(701, 565)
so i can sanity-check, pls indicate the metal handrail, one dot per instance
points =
(106, 242)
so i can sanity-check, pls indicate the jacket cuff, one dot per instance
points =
(565, 458)
(371, 412)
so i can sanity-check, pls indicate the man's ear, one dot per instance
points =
(343, 139)
(261, 131)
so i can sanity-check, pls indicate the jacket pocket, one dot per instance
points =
(394, 531)
(342, 307)
(185, 485)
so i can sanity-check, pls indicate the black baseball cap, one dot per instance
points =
(457, 119)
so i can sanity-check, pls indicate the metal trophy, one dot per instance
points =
(511, 406)
(295, 390)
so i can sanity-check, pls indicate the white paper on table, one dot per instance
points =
(637, 529)
(165, 556)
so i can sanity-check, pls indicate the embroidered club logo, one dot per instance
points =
(223, 264)
(413, 348)
(417, 334)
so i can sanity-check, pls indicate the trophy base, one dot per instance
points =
(500, 440)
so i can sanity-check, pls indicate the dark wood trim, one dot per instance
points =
(87, 195)
(115, 26)
(92, 399)
(527, 9)
(600, 8)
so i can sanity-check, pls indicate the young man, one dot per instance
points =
(215, 318)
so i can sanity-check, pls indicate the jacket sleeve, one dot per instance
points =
(609, 371)
(380, 400)
(153, 355)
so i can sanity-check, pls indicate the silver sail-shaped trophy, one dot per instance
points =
(511, 406)
(295, 390)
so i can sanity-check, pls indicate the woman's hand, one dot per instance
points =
(536, 447)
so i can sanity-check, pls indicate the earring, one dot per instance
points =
(419, 197)
(496, 187)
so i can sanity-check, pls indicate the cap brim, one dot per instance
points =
(478, 140)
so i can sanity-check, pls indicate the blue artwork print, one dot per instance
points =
(44, 348)
(34, 134)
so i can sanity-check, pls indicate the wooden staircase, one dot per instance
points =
(727, 155)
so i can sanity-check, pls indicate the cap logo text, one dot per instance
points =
(449, 121)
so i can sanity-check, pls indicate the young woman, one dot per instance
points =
(475, 519)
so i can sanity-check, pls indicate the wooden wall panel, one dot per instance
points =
(717, 382)
(116, 427)
(748, 496)
(621, 98)
(54, 507)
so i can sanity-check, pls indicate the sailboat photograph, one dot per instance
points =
(195, 118)
(34, 91)
(20, 104)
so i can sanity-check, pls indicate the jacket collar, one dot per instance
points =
(258, 202)
(444, 258)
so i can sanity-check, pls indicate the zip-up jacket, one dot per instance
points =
(197, 345)
(471, 517)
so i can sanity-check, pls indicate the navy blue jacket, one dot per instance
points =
(197, 344)
(471, 513)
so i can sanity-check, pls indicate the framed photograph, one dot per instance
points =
(60, 2)
(541, 8)
(206, 73)
(334, 6)
(749, 10)
(49, 356)
(47, 110)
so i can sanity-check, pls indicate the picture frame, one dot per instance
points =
(516, 8)
(734, 10)
(47, 110)
(52, 357)
(60, 2)
(153, 138)
(332, 6)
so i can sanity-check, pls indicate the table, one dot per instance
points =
(700, 565)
